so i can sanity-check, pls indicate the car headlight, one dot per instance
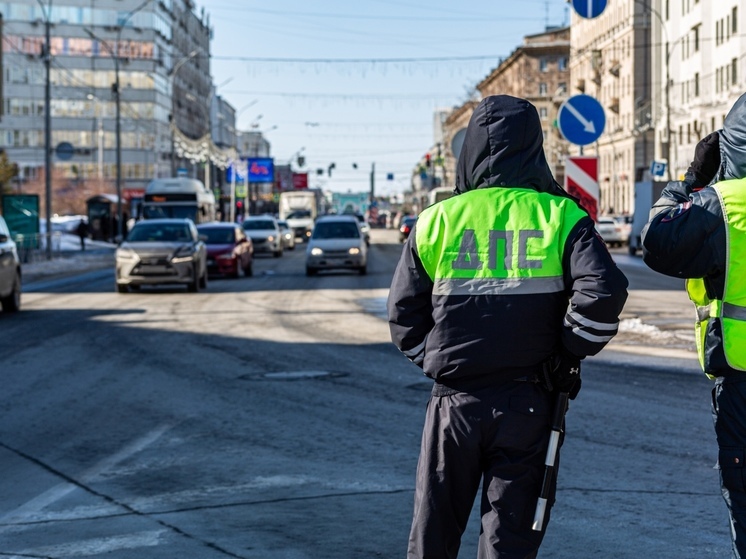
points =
(184, 254)
(270, 238)
(316, 251)
(126, 254)
(354, 250)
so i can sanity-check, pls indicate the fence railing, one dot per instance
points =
(33, 247)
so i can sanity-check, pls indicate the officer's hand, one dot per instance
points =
(706, 162)
(566, 374)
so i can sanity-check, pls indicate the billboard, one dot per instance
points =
(21, 212)
(261, 169)
(300, 181)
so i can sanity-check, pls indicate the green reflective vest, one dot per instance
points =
(731, 310)
(493, 241)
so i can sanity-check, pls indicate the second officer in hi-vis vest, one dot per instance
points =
(503, 282)
(697, 231)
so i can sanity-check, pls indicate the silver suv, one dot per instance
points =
(10, 271)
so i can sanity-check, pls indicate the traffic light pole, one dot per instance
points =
(48, 132)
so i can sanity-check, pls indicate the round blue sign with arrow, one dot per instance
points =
(64, 151)
(581, 119)
(589, 8)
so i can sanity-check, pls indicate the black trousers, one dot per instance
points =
(496, 438)
(729, 415)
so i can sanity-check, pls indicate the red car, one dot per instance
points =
(406, 226)
(229, 250)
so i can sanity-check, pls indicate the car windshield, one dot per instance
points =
(159, 232)
(282, 224)
(299, 214)
(257, 224)
(336, 230)
(409, 221)
(218, 235)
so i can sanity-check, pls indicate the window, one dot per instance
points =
(734, 20)
(562, 62)
(695, 33)
(543, 113)
(542, 88)
(543, 64)
(734, 71)
(696, 84)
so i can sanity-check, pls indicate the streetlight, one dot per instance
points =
(172, 76)
(117, 98)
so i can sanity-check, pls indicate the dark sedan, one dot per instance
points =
(229, 250)
(406, 227)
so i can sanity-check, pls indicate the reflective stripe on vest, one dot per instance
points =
(731, 310)
(496, 241)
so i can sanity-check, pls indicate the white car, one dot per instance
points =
(162, 251)
(10, 271)
(614, 231)
(264, 233)
(337, 242)
(288, 235)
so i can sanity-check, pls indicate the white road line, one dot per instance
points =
(34, 506)
(96, 546)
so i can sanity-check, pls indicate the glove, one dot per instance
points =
(706, 162)
(562, 373)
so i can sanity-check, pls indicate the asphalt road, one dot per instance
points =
(271, 418)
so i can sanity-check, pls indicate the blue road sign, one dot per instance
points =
(657, 168)
(589, 8)
(64, 151)
(581, 119)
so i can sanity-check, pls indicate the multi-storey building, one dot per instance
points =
(611, 61)
(538, 71)
(89, 42)
(699, 50)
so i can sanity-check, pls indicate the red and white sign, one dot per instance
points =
(300, 181)
(581, 181)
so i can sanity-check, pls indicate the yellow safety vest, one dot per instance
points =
(731, 310)
(493, 241)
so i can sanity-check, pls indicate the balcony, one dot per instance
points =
(614, 104)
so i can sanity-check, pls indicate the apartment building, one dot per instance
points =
(90, 40)
(700, 48)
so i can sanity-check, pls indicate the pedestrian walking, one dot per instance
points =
(82, 231)
(697, 231)
(499, 294)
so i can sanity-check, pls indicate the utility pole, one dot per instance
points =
(48, 129)
(372, 183)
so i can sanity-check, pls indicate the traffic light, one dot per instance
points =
(428, 161)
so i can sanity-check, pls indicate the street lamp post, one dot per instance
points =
(172, 75)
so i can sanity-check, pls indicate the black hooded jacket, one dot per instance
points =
(686, 235)
(470, 341)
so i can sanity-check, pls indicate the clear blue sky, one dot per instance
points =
(352, 83)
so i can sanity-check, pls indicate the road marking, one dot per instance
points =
(34, 506)
(97, 546)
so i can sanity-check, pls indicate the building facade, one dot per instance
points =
(90, 41)
(700, 52)
(611, 61)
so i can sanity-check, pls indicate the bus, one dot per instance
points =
(178, 197)
(439, 194)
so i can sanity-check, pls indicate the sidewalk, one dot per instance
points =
(68, 263)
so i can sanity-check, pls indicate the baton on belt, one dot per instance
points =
(559, 416)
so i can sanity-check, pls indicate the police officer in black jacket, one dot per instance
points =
(697, 231)
(504, 282)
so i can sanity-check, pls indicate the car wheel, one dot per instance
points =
(12, 302)
(310, 271)
(248, 271)
(121, 288)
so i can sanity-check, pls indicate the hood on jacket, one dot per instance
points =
(733, 141)
(503, 147)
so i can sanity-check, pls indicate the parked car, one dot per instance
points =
(288, 235)
(613, 231)
(162, 251)
(337, 242)
(264, 234)
(10, 271)
(406, 227)
(229, 250)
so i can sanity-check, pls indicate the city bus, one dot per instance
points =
(178, 197)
